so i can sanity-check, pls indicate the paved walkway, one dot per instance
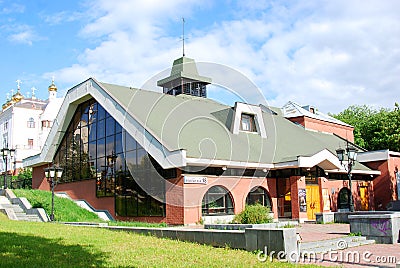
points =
(315, 232)
(375, 255)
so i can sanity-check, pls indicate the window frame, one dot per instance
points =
(31, 123)
(266, 199)
(250, 124)
(215, 191)
(30, 143)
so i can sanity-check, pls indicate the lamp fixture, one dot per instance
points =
(53, 175)
(351, 154)
(6, 153)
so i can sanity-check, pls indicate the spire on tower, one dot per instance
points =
(183, 36)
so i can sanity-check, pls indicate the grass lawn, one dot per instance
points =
(36, 244)
(65, 210)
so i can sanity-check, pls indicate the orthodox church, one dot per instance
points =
(25, 123)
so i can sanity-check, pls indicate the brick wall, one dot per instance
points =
(324, 126)
(239, 189)
(174, 197)
(38, 179)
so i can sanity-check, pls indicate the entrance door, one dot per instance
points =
(284, 198)
(364, 197)
(313, 201)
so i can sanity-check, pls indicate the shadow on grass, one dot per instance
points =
(32, 251)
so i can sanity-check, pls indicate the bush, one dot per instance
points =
(253, 214)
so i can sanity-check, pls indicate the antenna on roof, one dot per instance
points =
(183, 36)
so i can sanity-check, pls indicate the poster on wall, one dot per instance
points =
(302, 200)
(325, 197)
(398, 183)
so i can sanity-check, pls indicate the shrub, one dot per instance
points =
(253, 214)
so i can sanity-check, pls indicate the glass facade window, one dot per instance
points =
(217, 201)
(258, 195)
(96, 147)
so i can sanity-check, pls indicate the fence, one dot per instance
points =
(16, 183)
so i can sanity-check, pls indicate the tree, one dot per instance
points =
(373, 129)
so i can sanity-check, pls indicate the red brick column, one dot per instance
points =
(274, 196)
(296, 183)
(174, 201)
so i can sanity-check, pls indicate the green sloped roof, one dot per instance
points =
(202, 127)
(184, 67)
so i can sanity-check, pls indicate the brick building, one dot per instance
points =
(387, 185)
(178, 157)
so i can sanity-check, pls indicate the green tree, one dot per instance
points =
(373, 129)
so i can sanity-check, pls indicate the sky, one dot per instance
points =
(329, 54)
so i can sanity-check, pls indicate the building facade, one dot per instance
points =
(180, 158)
(25, 124)
(386, 185)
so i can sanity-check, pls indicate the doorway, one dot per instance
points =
(313, 201)
(364, 198)
(284, 198)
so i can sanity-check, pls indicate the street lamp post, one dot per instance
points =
(351, 154)
(6, 152)
(53, 174)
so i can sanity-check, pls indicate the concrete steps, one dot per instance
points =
(4, 200)
(15, 208)
(16, 211)
(334, 244)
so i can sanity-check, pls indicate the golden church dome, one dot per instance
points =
(52, 87)
(17, 97)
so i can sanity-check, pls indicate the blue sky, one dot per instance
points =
(330, 54)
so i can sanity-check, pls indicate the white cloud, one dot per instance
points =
(330, 54)
(12, 8)
(62, 17)
(25, 36)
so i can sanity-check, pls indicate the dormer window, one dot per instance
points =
(249, 118)
(247, 123)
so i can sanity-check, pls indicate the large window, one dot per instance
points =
(96, 147)
(216, 201)
(258, 195)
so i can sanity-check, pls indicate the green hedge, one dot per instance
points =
(253, 214)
